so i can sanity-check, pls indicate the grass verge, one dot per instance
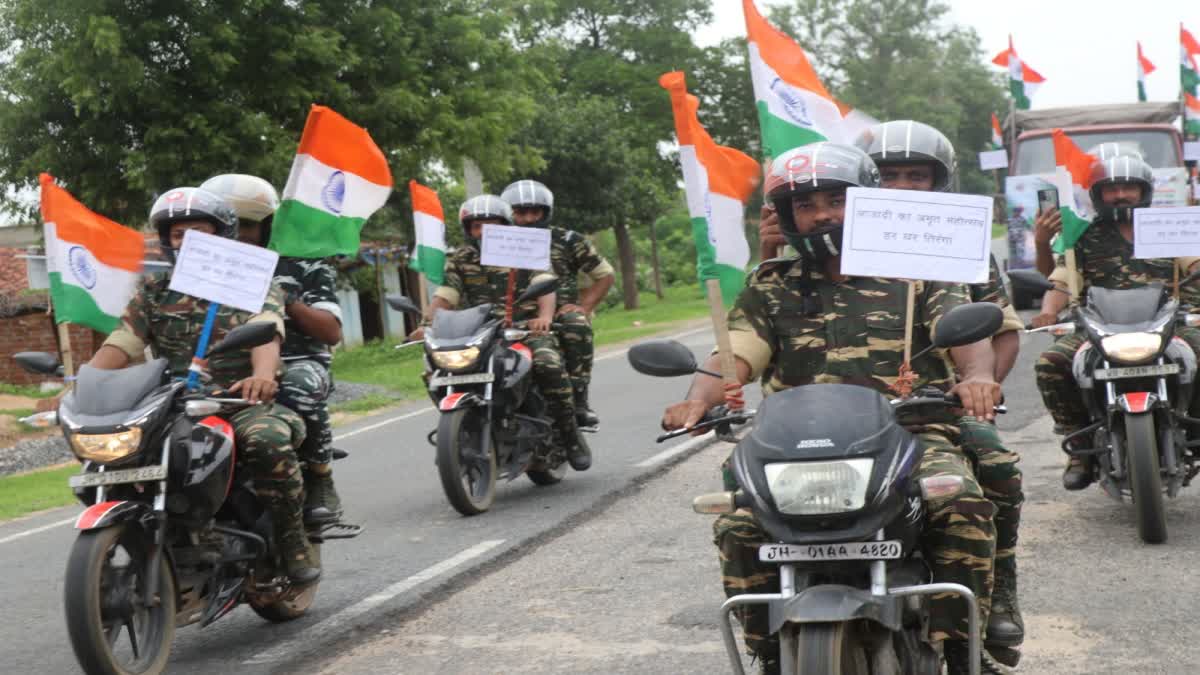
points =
(999, 230)
(35, 491)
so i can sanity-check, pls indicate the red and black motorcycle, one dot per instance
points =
(171, 535)
(494, 422)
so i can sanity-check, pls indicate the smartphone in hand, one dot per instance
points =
(1047, 200)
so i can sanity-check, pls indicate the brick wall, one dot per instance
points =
(34, 332)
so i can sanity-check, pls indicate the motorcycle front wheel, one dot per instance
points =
(1145, 477)
(830, 649)
(466, 461)
(111, 629)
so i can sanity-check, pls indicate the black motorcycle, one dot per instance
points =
(1137, 379)
(171, 535)
(494, 422)
(827, 471)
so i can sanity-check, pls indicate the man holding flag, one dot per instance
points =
(1103, 255)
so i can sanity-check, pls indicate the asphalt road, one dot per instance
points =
(415, 544)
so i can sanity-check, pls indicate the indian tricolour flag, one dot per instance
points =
(718, 182)
(997, 134)
(1023, 81)
(794, 108)
(1189, 66)
(94, 263)
(1191, 114)
(339, 178)
(1071, 177)
(430, 226)
(1144, 68)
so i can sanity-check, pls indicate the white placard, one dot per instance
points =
(993, 159)
(1196, 190)
(1191, 151)
(526, 248)
(224, 271)
(906, 234)
(1166, 232)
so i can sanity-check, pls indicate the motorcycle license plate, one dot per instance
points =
(141, 475)
(451, 380)
(865, 550)
(1137, 371)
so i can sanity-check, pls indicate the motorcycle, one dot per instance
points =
(827, 471)
(494, 423)
(1136, 378)
(171, 535)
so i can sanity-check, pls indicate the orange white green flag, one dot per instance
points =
(1191, 114)
(430, 225)
(1144, 69)
(718, 182)
(1023, 81)
(794, 108)
(997, 134)
(1072, 178)
(338, 179)
(94, 263)
(1189, 62)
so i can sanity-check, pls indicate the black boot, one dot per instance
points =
(1005, 627)
(584, 415)
(958, 660)
(321, 502)
(579, 455)
(1078, 473)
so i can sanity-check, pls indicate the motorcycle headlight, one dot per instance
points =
(457, 359)
(816, 488)
(1131, 347)
(106, 448)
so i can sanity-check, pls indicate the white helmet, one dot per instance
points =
(251, 197)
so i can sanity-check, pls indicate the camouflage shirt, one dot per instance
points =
(466, 283)
(794, 330)
(1104, 258)
(312, 282)
(570, 254)
(993, 291)
(169, 323)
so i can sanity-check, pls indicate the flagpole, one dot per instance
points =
(721, 330)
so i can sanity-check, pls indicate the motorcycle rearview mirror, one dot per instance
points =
(537, 289)
(662, 358)
(42, 363)
(246, 336)
(968, 323)
(401, 303)
(1030, 281)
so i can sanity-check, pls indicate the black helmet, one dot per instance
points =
(188, 203)
(1123, 168)
(817, 167)
(905, 141)
(480, 207)
(530, 194)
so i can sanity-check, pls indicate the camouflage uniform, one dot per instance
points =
(570, 254)
(266, 435)
(306, 382)
(793, 329)
(995, 465)
(1103, 258)
(467, 283)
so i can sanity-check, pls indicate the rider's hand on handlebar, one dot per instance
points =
(1043, 320)
(979, 397)
(1046, 225)
(256, 389)
(539, 326)
(684, 414)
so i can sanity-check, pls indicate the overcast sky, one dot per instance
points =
(1086, 50)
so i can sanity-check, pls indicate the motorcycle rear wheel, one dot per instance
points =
(102, 592)
(830, 649)
(1145, 477)
(469, 482)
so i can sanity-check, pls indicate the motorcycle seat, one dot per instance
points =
(1126, 306)
(105, 392)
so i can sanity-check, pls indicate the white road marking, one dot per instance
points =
(674, 450)
(26, 533)
(369, 427)
(324, 628)
(677, 336)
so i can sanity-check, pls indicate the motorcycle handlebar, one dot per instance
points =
(714, 417)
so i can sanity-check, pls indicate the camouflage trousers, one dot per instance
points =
(551, 379)
(997, 472)
(1060, 393)
(958, 541)
(305, 387)
(266, 437)
(578, 350)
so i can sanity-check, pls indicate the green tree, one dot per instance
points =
(122, 100)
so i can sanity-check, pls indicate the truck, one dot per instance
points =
(1147, 128)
